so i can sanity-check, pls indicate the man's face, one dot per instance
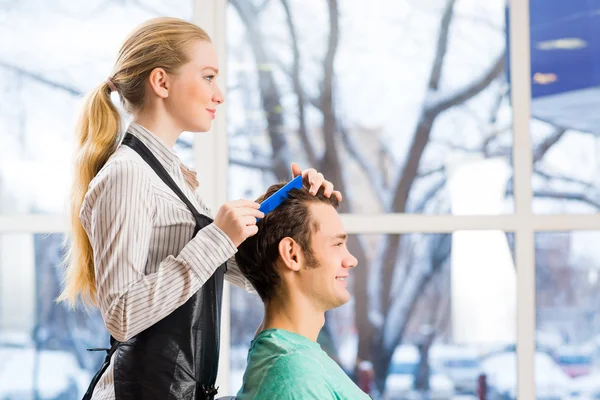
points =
(325, 283)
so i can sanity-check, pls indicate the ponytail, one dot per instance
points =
(97, 139)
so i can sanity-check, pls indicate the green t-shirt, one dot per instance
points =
(284, 365)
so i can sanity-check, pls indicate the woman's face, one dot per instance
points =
(194, 94)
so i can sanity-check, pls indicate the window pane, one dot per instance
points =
(564, 105)
(417, 123)
(567, 320)
(51, 54)
(42, 344)
(445, 309)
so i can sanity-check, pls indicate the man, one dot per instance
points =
(298, 263)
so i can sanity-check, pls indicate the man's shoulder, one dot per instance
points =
(298, 358)
(278, 342)
(279, 356)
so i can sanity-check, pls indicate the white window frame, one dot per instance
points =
(211, 157)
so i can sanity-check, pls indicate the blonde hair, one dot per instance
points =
(157, 43)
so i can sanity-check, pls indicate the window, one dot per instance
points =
(42, 344)
(530, 146)
(51, 54)
(410, 126)
(564, 79)
(419, 123)
(564, 124)
(566, 302)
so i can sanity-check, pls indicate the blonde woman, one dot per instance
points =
(144, 248)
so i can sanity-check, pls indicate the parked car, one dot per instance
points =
(401, 377)
(575, 360)
(551, 382)
(585, 387)
(460, 363)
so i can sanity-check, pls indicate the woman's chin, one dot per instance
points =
(200, 127)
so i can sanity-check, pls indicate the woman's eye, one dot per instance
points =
(209, 78)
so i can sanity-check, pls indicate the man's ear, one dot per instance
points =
(159, 82)
(290, 253)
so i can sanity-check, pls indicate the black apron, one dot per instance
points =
(178, 357)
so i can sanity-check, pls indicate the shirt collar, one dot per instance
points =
(166, 155)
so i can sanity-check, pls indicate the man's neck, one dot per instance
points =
(294, 314)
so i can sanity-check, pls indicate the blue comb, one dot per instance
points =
(275, 200)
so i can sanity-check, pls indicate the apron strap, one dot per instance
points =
(109, 352)
(139, 147)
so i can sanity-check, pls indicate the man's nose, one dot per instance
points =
(351, 261)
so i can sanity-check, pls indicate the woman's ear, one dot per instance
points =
(159, 82)
(290, 253)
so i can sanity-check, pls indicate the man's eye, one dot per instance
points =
(339, 244)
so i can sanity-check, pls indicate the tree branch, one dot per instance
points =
(295, 75)
(570, 196)
(454, 146)
(431, 172)
(470, 91)
(442, 46)
(261, 7)
(550, 141)
(265, 165)
(315, 102)
(567, 196)
(492, 119)
(502, 93)
(331, 163)
(485, 146)
(41, 79)
(431, 193)
(433, 107)
(271, 98)
(546, 175)
(375, 177)
(409, 172)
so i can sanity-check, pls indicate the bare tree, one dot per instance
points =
(376, 342)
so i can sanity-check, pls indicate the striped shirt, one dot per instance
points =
(146, 262)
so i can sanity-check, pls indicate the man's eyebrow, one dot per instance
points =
(341, 236)
(216, 70)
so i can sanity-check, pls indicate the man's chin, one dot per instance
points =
(342, 299)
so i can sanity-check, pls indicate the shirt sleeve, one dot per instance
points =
(233, 275)
(119, 219)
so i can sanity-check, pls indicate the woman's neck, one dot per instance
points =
(161, 127)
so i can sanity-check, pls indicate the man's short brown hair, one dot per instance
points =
(258, 254)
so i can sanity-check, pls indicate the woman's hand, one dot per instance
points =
(316, 180)
(237, 219)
